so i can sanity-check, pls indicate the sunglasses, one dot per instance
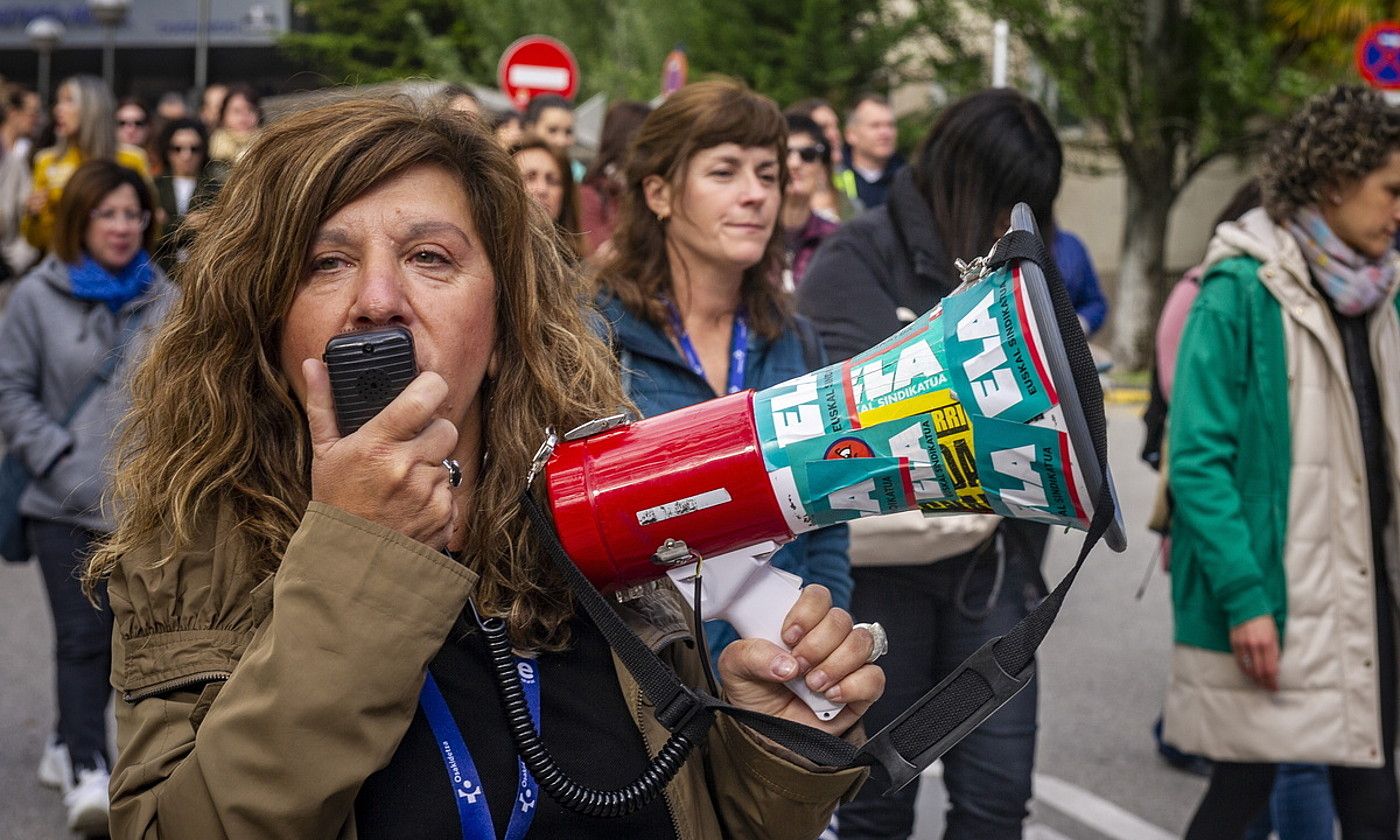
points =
(131, 123)
(194, 150)
(808, 154)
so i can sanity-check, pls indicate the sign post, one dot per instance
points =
(673, 71)
(534, 65)
(1378, 55)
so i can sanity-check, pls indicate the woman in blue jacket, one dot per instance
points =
(690, 293)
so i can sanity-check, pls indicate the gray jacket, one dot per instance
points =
(53, 344)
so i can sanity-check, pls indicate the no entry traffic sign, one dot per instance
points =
(1378, 55)
(534, 65)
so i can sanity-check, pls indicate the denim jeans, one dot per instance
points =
(988, 774)
(1300, 807)
(82, 640)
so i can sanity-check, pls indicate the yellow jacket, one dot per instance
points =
(51, 173)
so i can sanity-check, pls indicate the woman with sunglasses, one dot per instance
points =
(59, 405)
(804, 227)
(85, 124)
(133, 123)
(186, 184)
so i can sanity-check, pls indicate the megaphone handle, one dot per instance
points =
(757, 612)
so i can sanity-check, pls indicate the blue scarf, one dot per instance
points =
(93, 282)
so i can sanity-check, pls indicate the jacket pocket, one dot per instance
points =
(205, 701)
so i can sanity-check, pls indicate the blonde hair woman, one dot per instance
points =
(289, 602)
(84, 121)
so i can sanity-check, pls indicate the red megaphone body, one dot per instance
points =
(694, 476)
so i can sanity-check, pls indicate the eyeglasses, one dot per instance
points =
(194, 150)
(809, 154)
(131, 123)
(112, 216)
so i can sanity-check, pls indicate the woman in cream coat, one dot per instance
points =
(1285, 418)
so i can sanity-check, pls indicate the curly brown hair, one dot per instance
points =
(697, 117)
(215, 428)
(1336, 138)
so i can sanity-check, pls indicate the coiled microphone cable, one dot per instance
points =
(568, 793)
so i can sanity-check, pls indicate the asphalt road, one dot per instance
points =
(1103, 670)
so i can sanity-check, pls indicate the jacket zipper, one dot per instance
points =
(665, 797)
(172, 685)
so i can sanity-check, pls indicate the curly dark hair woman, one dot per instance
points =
(1340, 136)
(1282, 439)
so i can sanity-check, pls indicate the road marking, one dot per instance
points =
(1080, 805)
(1095, 811)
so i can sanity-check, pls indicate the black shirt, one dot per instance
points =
(1356, 343)
(584, 722)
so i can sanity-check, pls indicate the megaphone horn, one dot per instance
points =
(972, 408)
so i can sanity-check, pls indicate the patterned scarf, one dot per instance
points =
(1355, 283)
(93, 282)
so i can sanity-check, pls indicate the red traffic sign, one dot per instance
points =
(1378, 55)
(534, 65)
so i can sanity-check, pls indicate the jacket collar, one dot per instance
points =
(54, 273)
(1284, 272)
(635, 334)
(814, 230)
(640, 337)
(914, 225)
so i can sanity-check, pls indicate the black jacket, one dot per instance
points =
(883, 261)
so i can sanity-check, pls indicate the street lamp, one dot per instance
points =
(111, 14)
(44, 33)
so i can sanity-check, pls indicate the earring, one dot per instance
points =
(661, 217)
(1336, 198)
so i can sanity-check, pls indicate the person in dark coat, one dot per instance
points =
(186, 183)
(985, 154)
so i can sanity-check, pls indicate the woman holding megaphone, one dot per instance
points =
(1285, 427)
(294, 643)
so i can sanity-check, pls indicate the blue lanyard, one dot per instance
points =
(738, 348)
(472, 810)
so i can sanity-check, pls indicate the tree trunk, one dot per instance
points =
(1149, 198)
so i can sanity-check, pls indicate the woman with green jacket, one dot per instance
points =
(1285, 413)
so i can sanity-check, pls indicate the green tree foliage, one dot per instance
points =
(789, 49)
(360, 43)
(1330, 27)
(1172, 84)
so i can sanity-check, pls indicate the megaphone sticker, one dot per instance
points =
(954, 413)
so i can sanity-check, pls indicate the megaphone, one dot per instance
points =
(969, 409)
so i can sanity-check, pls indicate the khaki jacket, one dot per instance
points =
(1327, 708)
(256, 709)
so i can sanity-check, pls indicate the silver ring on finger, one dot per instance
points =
(454, 471)
(880, 639)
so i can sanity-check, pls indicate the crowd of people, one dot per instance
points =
(267, 594)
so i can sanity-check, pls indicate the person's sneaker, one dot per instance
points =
(87, 801)
(54, 765)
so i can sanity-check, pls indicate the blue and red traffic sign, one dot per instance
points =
(1378, 55)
